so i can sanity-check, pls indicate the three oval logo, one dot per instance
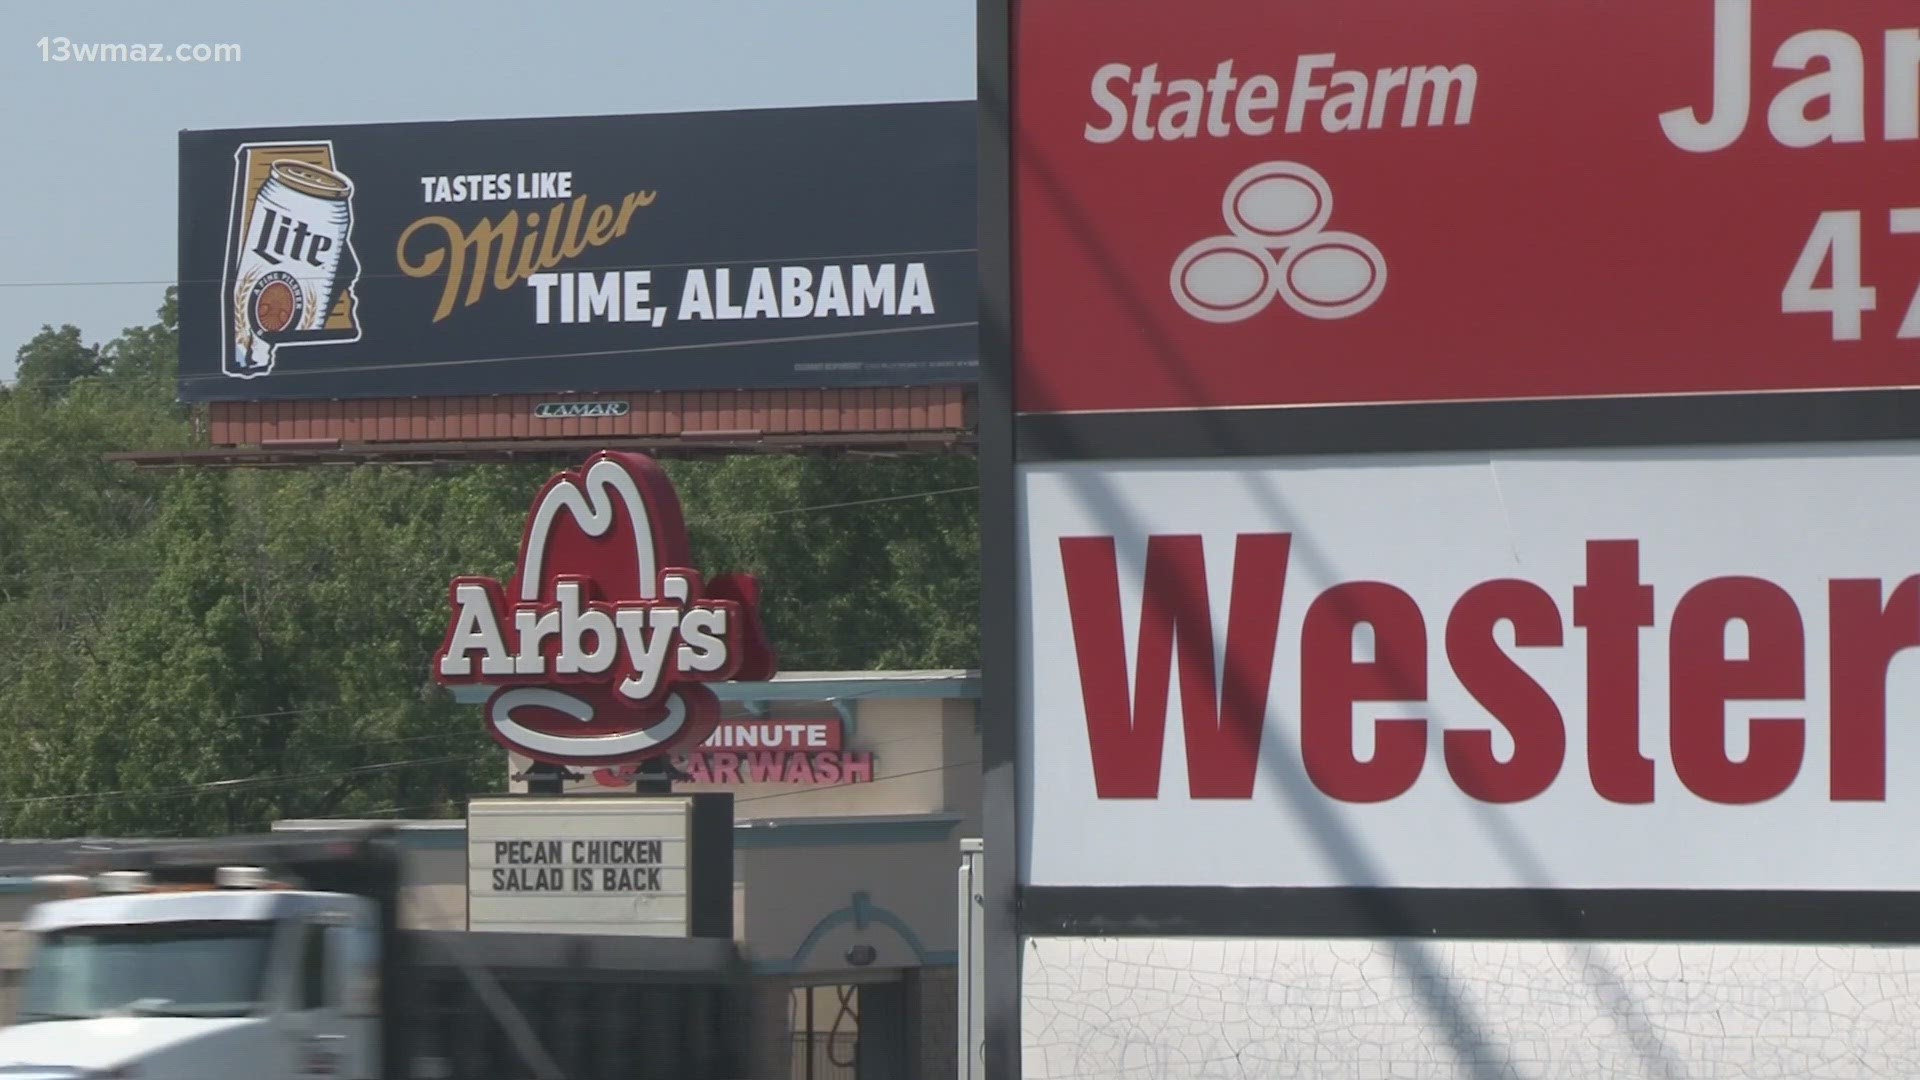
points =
(600, 645)
(1278, 244)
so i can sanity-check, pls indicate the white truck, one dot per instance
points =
(264, 959)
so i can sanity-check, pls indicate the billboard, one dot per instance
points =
(1236, 204)
(808, 247)
(1629, 670)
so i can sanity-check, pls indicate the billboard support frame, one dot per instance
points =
(500, 451)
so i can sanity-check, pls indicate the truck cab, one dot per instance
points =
(132, 980)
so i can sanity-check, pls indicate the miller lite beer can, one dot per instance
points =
(289, 266)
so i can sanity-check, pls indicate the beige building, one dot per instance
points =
(852, 791)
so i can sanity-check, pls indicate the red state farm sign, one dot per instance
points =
(1232, 203)
(601, 642)
(1629, 670)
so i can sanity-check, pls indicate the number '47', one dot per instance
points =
(1835, 247)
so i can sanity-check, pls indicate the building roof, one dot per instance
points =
(32, 855)
(829, 685)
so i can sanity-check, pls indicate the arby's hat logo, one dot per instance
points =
(601, 644)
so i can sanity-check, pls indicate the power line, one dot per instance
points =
(874, 748)
(698, 346)
(266, 783)
(718, 518)
(588, 354)
(579, 266)
(750, 799)
(692, 522)
(875, 780)
(240, 784)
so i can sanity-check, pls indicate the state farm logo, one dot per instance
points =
(601, 654)
(1278, 244)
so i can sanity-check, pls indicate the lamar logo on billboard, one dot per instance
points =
(290, 265)
(601, 643)
(579, 410)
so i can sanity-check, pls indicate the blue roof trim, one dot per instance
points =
(864, 914)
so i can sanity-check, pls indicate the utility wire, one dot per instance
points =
(705, 521)
(875, 780)
(594, 266)
(699, 346)
(239, 784)
(267, 782)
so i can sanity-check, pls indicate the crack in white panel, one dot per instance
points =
(1191, 1009)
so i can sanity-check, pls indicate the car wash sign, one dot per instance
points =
(600, 646)
(801, 753)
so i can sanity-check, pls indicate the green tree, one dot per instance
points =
(863, 562)
(146, 358)
(53, 361)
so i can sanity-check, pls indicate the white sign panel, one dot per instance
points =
(1609, 669)
(579, 865)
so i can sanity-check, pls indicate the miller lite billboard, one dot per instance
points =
(782, 248)
(599, 648)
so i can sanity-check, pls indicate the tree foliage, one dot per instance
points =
(196, 652)
(50, 364)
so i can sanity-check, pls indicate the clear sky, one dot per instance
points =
(89, 180)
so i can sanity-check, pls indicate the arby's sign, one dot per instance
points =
(600, 646)
(1234, 204)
